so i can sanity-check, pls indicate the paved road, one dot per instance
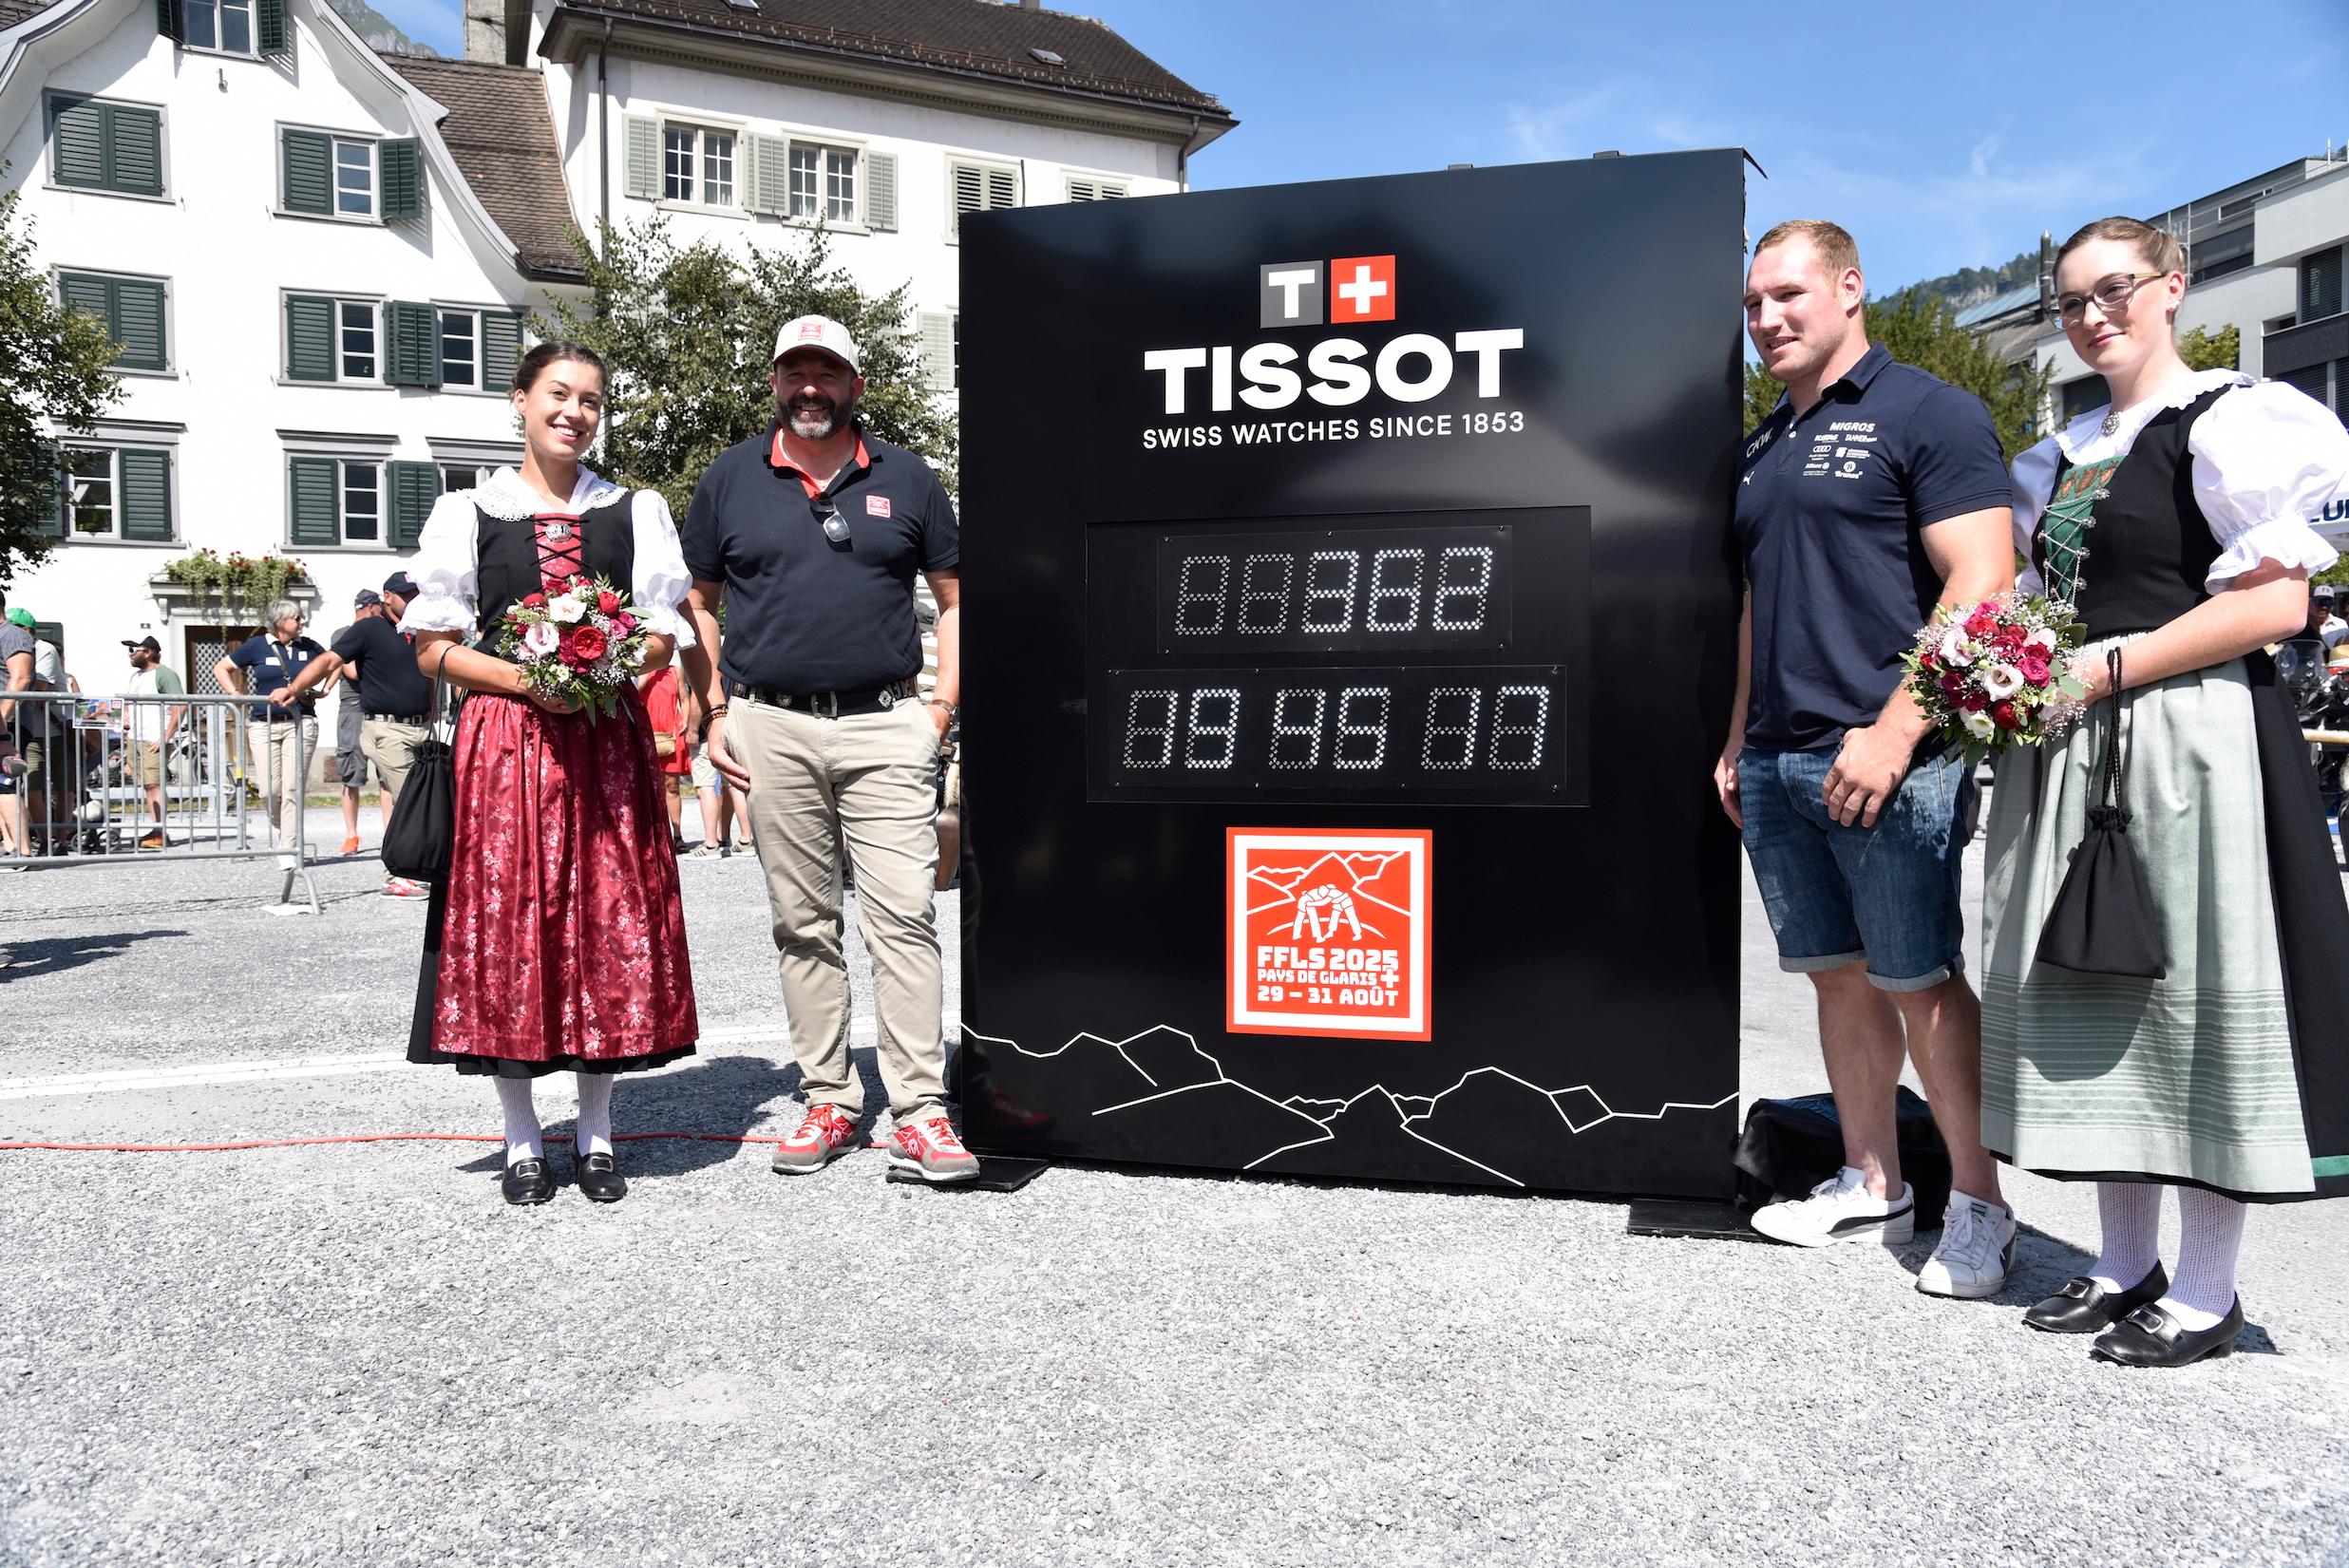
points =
(354, 1354)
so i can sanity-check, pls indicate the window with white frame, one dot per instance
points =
(461, 348)
(697, 166)
(363, 503)
(355, 347)
(223, 25)
(354, 178)
(465, 476)
(823, 182)
(122, 493)
(90, 489)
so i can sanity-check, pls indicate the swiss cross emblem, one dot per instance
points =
(877, 506)
(1361, 289)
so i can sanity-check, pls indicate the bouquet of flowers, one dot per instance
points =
(576, 640)
(1992, 675)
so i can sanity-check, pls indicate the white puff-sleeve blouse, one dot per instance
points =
(449, 598)
(2266, 458)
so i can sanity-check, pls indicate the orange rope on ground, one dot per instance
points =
(382, 1137)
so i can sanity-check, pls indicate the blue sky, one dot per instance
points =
(1941, 143)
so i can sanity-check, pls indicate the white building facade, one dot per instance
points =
(316, 310)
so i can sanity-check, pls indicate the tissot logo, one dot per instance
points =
(1346, 291)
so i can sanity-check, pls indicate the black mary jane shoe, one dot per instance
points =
(527, 1181)
(2150, 1337)
(599, 1180)
(2085, 1306)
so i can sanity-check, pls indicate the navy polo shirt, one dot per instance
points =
(804, 613)
(1829, 506)
(269, 664)
(389, 681)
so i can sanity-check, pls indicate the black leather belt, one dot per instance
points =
(828, 705)
(393, 718)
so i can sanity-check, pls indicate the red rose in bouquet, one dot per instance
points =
(608, 602)
(576, 640)
(2003, 715)
(536, 601)
(1991, 675)
(583, 645)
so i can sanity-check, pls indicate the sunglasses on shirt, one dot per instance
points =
(835, 526)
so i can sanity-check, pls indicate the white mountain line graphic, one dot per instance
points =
(1354, 879)
(1313, 1109)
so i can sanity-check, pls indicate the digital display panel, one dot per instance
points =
(1428, 657)
(1397, 589)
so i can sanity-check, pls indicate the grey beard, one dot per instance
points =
(809, 426)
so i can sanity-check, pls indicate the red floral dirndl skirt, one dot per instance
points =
(557, 941)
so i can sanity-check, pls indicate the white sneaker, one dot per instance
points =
(1841, 1209)
(1977, 1249)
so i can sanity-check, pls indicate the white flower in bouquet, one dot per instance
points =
(1958, 649)
(540, 639)
(565, 608)
(2044, 639)
(2002, 680)
(1980, 726)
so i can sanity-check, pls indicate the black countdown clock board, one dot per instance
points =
(1349, 622)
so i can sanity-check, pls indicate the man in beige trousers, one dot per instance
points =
(811, 534)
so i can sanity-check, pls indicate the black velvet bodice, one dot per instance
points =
(506, 553)
(2151, 548)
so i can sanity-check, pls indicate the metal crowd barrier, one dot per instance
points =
(91, 773)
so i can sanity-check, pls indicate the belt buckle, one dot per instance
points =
(824, 705)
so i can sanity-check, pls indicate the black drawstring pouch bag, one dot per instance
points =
(424, 818)
(2102, 922)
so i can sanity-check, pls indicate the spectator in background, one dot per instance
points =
(671, 714)
(394, 698)
(716, 799)
(2325, 622)
(16, 674)
(265, 665)
(350, 758)
(148, 728)
(48, 660)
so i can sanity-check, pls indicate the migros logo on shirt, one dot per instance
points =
(1337, 371)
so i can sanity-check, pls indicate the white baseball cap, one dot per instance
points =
(815, 332)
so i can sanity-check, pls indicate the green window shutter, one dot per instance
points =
(146, 496)
(306, 182)
(313, 501)
(641, 167)
(501, 346)
(91, 295)
(271, 31)
(134, 149)
(937, 350)
(880, 191)
(138, 324)
(413, 335)
(171, 20)
(414, 486)
(310, 337)
(400, 163)
(53, 523)
(78, 141)
(766, 186)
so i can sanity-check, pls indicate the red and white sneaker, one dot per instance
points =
(930, 1149)
(822, 1136)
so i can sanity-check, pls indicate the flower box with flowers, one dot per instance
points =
(1993, 674)
(575, 641)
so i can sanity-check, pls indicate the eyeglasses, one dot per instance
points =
(2111, 295)
(835, 526)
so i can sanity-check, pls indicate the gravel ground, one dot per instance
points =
(354, 1353)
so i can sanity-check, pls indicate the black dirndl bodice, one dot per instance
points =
(2141, 558)
(513, 555)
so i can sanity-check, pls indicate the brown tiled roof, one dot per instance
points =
(978, 37)
(501, 134)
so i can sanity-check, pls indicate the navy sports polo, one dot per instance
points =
(1829, 510)
(389, 681)
(804, 613)
(269, 664)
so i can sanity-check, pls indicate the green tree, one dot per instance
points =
(688, 335)
(1920, 330)
(2202, 352)
(54, 373)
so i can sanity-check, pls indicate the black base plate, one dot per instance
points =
(996, 1173)
(1689, 1216)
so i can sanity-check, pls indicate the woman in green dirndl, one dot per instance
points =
(2176, 521)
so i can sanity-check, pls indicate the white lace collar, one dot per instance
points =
(507, 494)
(2084, 439)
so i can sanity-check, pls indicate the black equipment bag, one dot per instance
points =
(2103, 922)
(1790, 1147)
(424, 818)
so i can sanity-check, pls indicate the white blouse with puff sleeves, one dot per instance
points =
(2266, 458)
(447, 597)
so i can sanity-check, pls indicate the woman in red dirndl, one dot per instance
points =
(557, 941)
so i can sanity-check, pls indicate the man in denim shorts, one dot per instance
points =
(1872, 492)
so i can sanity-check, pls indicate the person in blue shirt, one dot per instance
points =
(285, 735)
(1872, 493)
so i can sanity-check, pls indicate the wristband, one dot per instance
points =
(718, 711)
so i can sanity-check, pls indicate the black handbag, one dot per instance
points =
(424, 818)
(2103, 920)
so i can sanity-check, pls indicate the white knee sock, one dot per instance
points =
(2209, 1238)
(2132, 1224)
(521, 1120)
(594, 1134)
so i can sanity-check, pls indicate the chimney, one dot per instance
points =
(485, 32)
(1030, 5)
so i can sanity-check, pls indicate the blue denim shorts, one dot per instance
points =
(1836, 895)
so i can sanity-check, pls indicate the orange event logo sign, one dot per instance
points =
(1326, 932)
